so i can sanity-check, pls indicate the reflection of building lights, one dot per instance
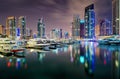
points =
(82, 60)
(8, 64)
(86, 64)
(10, 60)
(70, 47)
(65, 49)
(55, 51)
(72, 59)
(104, 62)
(18, 64)
(18, 59)
(90, 70)
(117, 63)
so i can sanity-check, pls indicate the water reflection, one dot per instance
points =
(84, 55)
(112, 53)
(14, 60)
(89, 58)
(41, 55)
(86, 59)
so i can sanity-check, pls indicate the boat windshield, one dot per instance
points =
(14, 47)
(39, 42)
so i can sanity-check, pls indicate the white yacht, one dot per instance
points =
(9, 46)
(37, 43)
(52, 42)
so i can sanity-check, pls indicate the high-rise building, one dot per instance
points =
(41, 28)
(11, 27)
(28, 33)
(56, 33)
(22, 26)
(2, 29)
(66, 35)
(60, 33)
(89, 21)
(53, 34)
(105, 28)
(97, 30)
(76, 27)
(82, 29)
(116, 16)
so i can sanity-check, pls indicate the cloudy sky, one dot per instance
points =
(56, 13)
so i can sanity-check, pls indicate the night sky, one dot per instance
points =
(56, 13)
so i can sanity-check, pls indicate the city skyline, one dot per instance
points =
(56, 13)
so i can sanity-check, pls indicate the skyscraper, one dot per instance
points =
(82, 29)
(116, 16)
(2, 29)
(89, 21)
(11, 27)
(56, 33)
(105, 28)
(60, 33)
(41, 28)
(22, 26)
(76, 27)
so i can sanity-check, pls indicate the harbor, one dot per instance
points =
(84, 60)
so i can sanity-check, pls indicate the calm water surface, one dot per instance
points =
(87, 60)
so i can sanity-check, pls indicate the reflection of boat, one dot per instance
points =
(41, 56)
(37, 50)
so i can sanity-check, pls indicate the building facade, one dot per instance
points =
(11, 27)
(116, 16)
(56, 33)
(41, 28)
(76, 27)
(89, 22)
(22, 26)
(82, 29)
(61, 33)
(2, 29)
(105, 28)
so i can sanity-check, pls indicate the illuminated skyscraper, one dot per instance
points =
(41, 28)
(2, 29)
(97, 30)
(60, 33)
(82, 29)
(76, 27)
(105, 28)
(116, 16)
(89, 21)
(22, 26)
(11, 27)
(55, 33)
(27, 32)
(66, 35)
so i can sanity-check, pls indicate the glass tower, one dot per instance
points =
(41, 28)
(116, 16)
(11, 27)
(89, 21)
(22, 26)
